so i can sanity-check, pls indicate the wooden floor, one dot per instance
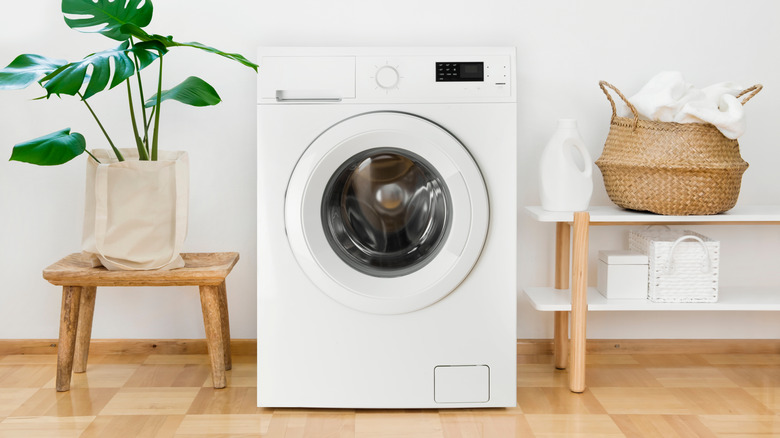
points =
(155, 395)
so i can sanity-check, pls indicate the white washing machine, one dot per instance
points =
(387, 227)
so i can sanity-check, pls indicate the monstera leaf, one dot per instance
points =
(168, 41)
(50, 150)
(147, 51)
(69, 78)
(107, 16)
(193, 91)
(27, 69)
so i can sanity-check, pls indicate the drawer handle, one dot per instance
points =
(308, 96)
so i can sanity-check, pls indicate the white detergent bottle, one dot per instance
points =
(565, 185)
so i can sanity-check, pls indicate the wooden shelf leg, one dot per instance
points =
(225, 320)
(84, 331)
(69, 318)
(212, 321)
(579, 301)
(561, 330)
(561, 341)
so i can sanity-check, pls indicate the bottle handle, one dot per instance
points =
(586, 160)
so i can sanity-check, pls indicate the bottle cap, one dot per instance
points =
(567, 123)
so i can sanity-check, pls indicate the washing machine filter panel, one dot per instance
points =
(386, 211)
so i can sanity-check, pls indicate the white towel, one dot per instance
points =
(667, 97)
(662, 97)
(720, 107)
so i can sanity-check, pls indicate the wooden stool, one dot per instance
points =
(79, 281)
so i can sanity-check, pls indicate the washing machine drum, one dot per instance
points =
(386, 212)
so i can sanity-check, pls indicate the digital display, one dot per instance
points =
(460, 71)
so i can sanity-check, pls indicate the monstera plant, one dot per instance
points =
(122, 21)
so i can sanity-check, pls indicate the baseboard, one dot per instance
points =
(660, 346)
(524, 346)
(126, 346)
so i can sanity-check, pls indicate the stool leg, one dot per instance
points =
(84, 332)
(212, 321)
(225, 321)
(69, 318)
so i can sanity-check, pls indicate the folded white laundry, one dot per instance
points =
(661, 97)
(728, 116)
(667, 97)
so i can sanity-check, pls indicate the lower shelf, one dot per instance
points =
(746, 299)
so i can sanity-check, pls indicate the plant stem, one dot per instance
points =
(156, 132)
(146, 128)
(116, 151)
(93, 157)
(143, 100)
(142, 154)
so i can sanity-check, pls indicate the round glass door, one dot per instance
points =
(386, 212)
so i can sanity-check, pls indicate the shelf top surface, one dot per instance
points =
(739, 299)
(615, 214)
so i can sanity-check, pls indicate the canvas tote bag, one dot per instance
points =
(135, 215)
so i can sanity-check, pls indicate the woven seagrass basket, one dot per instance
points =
(670, 168)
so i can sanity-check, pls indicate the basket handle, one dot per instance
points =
(656, 226)
(604, 85)
(749, 92)
(706, 264)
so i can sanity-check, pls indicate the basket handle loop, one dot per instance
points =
(604, 85)
(657, 226)
(749, 92)
(706, 264)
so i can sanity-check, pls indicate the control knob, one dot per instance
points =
(387, 77)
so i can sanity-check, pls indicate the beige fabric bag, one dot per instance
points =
(135, 215)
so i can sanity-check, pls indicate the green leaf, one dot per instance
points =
(107, 16)
(193, 91)
(168, 41)
(69, 78)
(27, 69)
(147, 52)
(56, 148)
(233, 56)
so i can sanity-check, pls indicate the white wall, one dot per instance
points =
(564, 48)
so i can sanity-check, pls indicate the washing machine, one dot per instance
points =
(387, 193)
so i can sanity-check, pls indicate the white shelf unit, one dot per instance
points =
(606, 215)
(548, 299)
(577, 300)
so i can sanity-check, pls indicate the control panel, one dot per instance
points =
(460, 71)
(444, 75)
(453, 78)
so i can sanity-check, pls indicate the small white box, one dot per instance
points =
(622, 274)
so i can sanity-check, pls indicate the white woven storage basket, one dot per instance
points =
(683, 266)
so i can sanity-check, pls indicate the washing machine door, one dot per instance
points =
(386, 212)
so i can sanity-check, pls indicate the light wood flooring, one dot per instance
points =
(169, 395)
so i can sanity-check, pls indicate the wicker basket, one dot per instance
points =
(683, 265)
(670, 168)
